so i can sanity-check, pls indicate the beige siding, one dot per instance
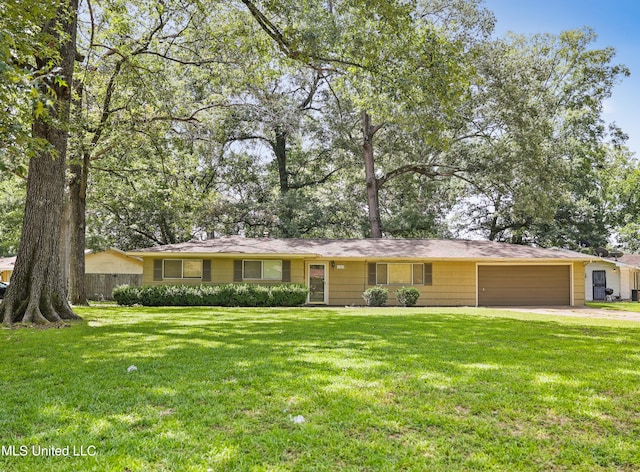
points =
(346, 285)
(579, 284)
(297, 272)
(453, 284)
(109, 262)
(147, 271)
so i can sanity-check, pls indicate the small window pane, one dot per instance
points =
(382, 274)
(400, 274)
(192, 269)
(252, 270)
(172, 268)
(428, 274)
(272, 270)
(418, 272)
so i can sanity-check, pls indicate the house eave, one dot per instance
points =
(243, 255)
(235, 255)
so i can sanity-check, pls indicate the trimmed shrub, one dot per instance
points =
(407, 296)
(126, 295)
(288, 295)
(375, 296)
(248, 295)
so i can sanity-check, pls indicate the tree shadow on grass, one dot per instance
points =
(216, 388)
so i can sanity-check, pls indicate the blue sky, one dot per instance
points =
(617, 24)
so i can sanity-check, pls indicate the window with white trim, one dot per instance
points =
(182, 269)
(392, 273)
(261, 270)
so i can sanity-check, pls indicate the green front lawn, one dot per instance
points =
(379, 389)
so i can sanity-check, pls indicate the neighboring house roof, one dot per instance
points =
(630, 259)
(7, 263)
(441, 249)
(612, 262)
(112, 261)
(113, 250)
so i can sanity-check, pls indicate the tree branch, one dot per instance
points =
(422, 169)
(312, 92)
(275, 34)
(185, 119)
(186, 62)
(271, 30)
(315, 182)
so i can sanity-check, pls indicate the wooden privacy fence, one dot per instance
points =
(100, 286)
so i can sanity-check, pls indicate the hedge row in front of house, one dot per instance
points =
(248, 295)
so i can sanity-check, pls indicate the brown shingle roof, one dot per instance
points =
(631, 259)
(365, 248)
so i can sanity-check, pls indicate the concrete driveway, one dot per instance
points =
(583, 312)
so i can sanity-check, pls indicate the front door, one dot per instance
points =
(599, 284)
(318, 283)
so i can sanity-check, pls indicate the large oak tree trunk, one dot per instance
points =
(368, 131)
(37, 293)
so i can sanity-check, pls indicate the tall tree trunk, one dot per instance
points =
(79, 170)
(494, 230)
(285, 212)
(280, 150)
(65, 241)
(37, 293)
(78, 201)
(79, 167)
(368, 132)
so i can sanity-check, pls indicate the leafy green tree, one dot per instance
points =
(22, 38)
(542, 144)
(37, 292)
(624, 196)
(12, 197)
(279, 121)
(396, 63)
(137, 87)
(149, 192)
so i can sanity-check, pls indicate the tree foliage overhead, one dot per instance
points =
(200, 118)
(24, 84)
(542, 154)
